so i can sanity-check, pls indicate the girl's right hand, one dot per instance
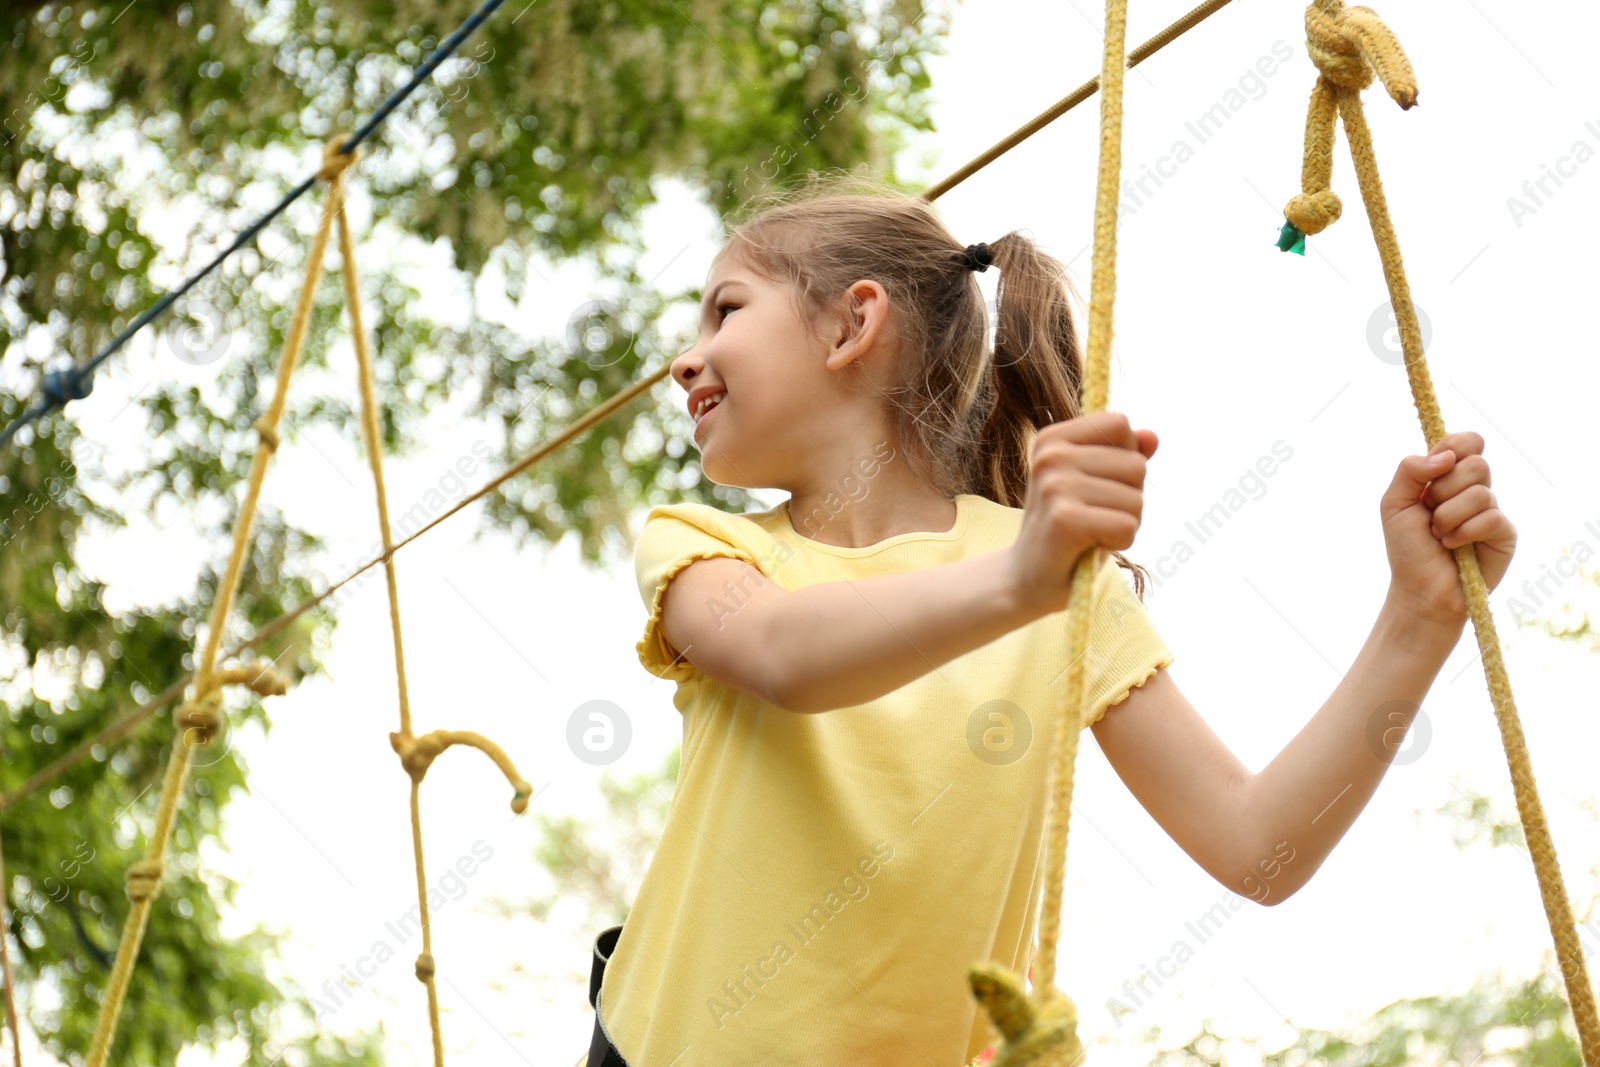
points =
(1085, 488)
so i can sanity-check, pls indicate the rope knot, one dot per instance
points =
(416, 753)
(144, 879)
(1349, 45)
(1313, 212)
(60, 386)
(424, 966)
(269, 436)
(200, 719)
(336, 162)
(1039, 1032)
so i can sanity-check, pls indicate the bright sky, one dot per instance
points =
(1231, 351)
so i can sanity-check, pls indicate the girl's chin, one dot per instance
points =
(715, 468)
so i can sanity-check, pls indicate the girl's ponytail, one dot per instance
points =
(1035, 374)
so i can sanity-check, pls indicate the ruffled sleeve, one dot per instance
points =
(1124, 650)
(675, 536)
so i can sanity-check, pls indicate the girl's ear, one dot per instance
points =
(861, 325)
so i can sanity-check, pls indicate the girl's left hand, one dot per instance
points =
(1430, 509)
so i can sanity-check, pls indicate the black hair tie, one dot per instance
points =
(979, 257)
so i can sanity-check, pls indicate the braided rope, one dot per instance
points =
(416, 753)
(200, 717)
(1176, 29)
(1349, 45)
(1042, 1030)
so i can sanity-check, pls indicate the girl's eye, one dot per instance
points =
(720, 307)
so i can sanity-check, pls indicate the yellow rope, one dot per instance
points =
(5, 966)
(201, 717)
(1042, 1031)
(1349, 45)
(1174, 30)
(416, 753)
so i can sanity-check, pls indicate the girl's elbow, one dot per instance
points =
(794, 699)
(1271, 894)
(779, 691)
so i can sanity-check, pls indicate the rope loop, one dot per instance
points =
(418, 753)
(144, 879)
(335, 162)
(1336, 57)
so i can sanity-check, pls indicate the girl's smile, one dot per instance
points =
(706, 415)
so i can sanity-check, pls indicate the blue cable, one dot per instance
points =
(76, 382)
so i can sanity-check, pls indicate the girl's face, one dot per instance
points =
(796, 409)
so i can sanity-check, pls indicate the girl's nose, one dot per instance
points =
(687, 367)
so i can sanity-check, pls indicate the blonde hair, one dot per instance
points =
(967, 416)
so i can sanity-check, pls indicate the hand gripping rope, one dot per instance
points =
(1349, 45)
(1042, 1030)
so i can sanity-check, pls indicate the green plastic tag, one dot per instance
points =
(1290, 239)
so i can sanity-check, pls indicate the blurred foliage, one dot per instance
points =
(602, 863)
(135, 141)
(1569, 622)
(595, 869)
(1526, 1024)
(1476, 817)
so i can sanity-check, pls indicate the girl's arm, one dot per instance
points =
(1312, 791)
(837, 644)
(1264, 835)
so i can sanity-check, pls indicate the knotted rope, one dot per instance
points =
(1042, 1030)
(1349, 45)
(199, 718)
(416, 753)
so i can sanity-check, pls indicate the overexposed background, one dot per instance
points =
(1226, 347)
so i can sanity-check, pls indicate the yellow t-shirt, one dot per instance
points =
(824, 881)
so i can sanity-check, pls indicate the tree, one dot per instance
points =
(543, 137)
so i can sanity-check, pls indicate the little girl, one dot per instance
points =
(869, 673)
